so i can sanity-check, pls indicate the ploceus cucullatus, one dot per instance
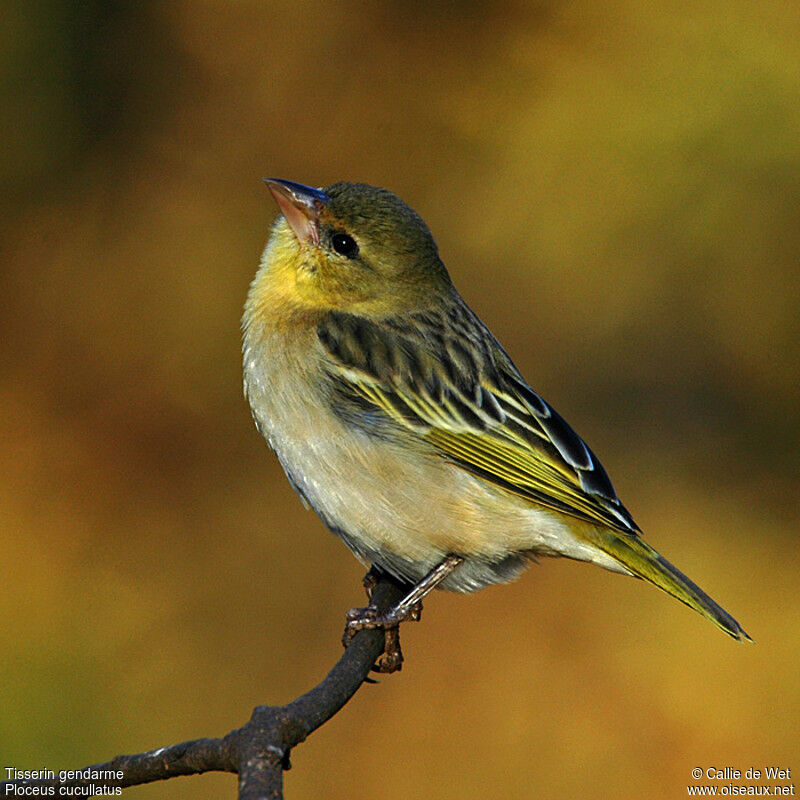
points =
(401, 420)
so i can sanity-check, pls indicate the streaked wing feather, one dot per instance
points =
(446, 378)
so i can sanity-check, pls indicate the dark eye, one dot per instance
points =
(344, 245)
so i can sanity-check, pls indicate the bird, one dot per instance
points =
(402, 422)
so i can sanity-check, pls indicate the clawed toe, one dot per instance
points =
(391, 659)
(370, 581)
(358, 619)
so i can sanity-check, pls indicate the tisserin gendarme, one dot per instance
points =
(400, 419)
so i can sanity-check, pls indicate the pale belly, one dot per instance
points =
(402, 508)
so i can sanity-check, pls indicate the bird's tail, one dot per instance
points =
(644, 562)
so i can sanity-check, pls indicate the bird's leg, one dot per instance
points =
(409, 608)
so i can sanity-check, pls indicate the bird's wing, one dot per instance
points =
(445, 377)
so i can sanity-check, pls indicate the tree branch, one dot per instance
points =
(258, 751)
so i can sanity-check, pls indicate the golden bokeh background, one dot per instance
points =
(615, 188)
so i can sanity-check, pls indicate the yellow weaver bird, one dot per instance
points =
(400, 419)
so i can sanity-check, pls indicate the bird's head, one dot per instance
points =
(350, 247)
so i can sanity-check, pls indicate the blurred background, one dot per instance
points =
(615, 189)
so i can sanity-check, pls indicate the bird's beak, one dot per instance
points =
(300, 205)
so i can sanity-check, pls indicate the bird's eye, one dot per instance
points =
(344, 245)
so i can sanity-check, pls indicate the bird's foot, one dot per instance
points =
(359, 619)
(409, 608)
